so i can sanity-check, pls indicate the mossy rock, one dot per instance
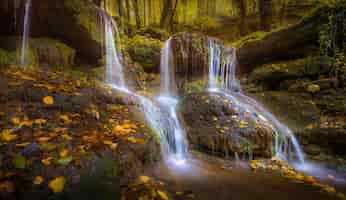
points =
(74, 22)
(300, 68)
(153, 32)
(51, 52)
(216, 124)
(145, 51)
(7, 58)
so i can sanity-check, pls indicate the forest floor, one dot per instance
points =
(66, 136)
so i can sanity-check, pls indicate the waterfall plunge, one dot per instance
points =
(114, 69)
(160, 116)
(222, 79)
(170, 101)
(25, 36)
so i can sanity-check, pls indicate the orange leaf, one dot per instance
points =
(43, 139)
(57, 185)
(63, 153)
(38, 180)
(47, 161)
(48, 100)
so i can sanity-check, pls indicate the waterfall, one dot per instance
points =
(114, 70)
(25, 36)
(161, 116)
(170, 101)
(222, 79)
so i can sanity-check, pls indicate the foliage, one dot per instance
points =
(332, 36)
(206, 24)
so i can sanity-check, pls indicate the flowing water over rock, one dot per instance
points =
(161, 116)
(25, 36)
(169, 101)
(222, 79)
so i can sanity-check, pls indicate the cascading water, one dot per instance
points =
(163, 119)
(25, 35)
(169, 101)
(114, 70)
(222, 79)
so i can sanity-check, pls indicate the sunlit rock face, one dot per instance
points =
(216, 124)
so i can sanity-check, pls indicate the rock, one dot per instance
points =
(51, 52)
(153, 32)
(214, 124)
(313, 150)
(294, 109)
(287, 70)
(332, 139)
(146, 51)
(291, 42)
(7, 58)
(75, 22)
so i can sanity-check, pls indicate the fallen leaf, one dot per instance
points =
(144, 179)
(15, 121)
(48, 100)
(40, 121)
(66, 137)
(23, 144)
(43, 139)
(38, 180)
(57, 184)
(7, 186)
(63, 153)
(162, 195)
(65, 160)
(7, 136)
(47, 161)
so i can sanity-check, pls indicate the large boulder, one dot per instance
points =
(146, 51)
(41, 51)
(51, 52)
(75, 22)
(215, 123)
(309, 67)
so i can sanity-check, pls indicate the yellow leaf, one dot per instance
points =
(65, 118)
(48, 100)
(63, 153)
(57, 185)
(132, 139)
(47, 161)
(107, 142)
(38, 180)
(23, 144)
(66, 137)
(43, 139)
(7, 136)
(113, 146)
(162, 195)
(15, 121)
(40, 121)
(144, 179)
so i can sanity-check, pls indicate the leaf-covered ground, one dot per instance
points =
(58, 130)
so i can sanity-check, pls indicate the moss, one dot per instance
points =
(145, 51)
(7, 58)
(86, 17)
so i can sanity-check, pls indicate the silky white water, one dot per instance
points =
(160, 115)
(114, 70)
(222, 79)
(169, 100)
(25, 35)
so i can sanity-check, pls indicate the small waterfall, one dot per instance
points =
(25, 35)
(114, 70)
(222, 79)
(170, 101)
(160, 116)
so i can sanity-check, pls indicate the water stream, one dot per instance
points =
(160, 115)
(222, 79)
(25, 36)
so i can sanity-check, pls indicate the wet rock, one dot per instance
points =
(216, 124)
(51, 52)
(146, 51)
(332, 139)
(297, 110)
